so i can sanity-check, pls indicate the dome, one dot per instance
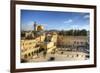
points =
(40, 28)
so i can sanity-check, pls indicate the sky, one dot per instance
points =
(54, 20)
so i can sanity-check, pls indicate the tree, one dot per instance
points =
(83, 32)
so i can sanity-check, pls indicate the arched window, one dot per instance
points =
(77, 55)
(25, 56)
(29, 54)
(72, 56)
(32, 53)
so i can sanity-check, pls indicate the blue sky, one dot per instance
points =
(54, 20)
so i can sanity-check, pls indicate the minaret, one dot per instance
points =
(34, 26)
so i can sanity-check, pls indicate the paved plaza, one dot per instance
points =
(59, 55)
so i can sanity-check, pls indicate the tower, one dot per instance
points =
(35, 26)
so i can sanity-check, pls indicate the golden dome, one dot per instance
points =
(40, 27)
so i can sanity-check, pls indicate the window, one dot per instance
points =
(77, 42)
(77, 55)
(29, 54)
(32, 53)
(25, 56)
(74, 42)
(23, 44)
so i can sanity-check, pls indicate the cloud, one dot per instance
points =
(27, 26)
(86, 16)
(83, 26)
(68, 21)
(30, 23)
(44, 25)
